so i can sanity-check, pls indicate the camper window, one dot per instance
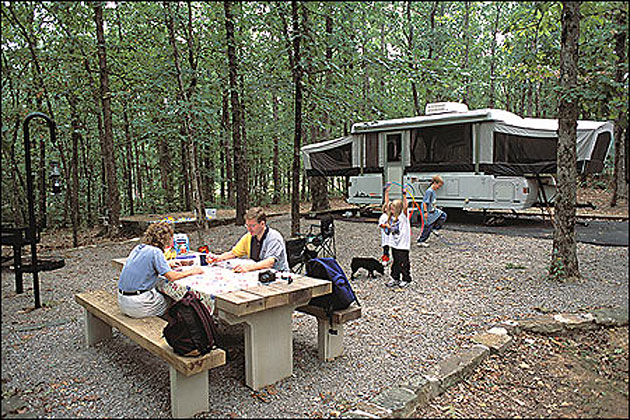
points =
(509, 148)
(446, 147)
(371, 151)
(394, 145)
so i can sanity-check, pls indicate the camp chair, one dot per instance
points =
(321, 237)
(298, 254)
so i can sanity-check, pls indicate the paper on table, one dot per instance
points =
(217, 278)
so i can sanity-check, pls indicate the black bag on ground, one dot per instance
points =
(190, 331)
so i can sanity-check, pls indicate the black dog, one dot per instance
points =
(370, 264)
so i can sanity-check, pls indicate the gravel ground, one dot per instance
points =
(463, 283)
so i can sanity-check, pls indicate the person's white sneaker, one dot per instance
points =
(404, 284)
(423, 244)
(391, 282)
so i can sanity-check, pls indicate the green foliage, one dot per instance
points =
(557, 269)
(377, 51)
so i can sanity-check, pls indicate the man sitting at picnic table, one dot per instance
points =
(262, 244)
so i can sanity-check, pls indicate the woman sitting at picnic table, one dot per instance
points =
(137, 295)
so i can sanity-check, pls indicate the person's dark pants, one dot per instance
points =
(401, 264)
(428, 228)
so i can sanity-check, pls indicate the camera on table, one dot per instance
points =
(266, 276)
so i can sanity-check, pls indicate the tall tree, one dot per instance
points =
(297, 139)
(189, 152)
(564, 262)
(493, 57)
(107, 141)
(620, 178)
(240, 160)
(319, 184)
(74, 162)
(411, 58)
(276, 150)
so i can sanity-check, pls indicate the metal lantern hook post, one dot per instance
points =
(33, 232)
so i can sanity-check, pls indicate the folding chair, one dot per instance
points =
(298, 254)
(323, 241)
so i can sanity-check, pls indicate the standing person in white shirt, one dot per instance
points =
(384, 223)
(399, 241)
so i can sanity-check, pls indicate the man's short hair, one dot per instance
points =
(437, 179)
(256, 213)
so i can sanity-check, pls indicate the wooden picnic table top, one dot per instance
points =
(266, 296)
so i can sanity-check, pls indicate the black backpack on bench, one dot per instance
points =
(190, 331)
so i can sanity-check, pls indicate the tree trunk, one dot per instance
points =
(276, 152)
(189, 152)
(297, 140)
(493, 49)
(128, 158)
(564, 262)
(432, 39)
(164, 166)
(412, 61)
(245, 164)
(239, 157)
(225, 155)
(317, 184)
(107, 141)
(37, 68)
(466, 65)
(74, 167)
(619, 181)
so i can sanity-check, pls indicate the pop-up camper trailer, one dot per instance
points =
(488, 158)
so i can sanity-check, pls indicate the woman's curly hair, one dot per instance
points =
(157, 234)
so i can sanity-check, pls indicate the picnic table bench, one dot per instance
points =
(330, 336)
(188, 375)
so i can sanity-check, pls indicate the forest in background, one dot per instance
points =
(164, 106)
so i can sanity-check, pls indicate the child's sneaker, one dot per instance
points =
(422, 244)
(404, 284)
(391, 282)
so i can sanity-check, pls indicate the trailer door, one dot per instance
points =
(392, 143)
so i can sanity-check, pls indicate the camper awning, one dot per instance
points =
(332, 157)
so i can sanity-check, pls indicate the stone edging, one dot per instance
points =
(402, 399)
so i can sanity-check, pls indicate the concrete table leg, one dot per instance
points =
(189, 394)
(268, 345)
(95, 329)
(329, 345)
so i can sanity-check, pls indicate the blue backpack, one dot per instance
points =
(342, 294)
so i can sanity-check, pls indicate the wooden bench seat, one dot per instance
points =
(330, 337)
(188, 375)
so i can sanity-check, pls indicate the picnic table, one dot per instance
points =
(264, 309)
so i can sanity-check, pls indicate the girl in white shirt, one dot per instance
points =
(384, 223)
(399, 241)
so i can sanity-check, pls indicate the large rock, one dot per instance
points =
(425, 388)
(496, 339)
(397, 401)
(458, 366)
(544, 324)
(611, 317)
(576, 321)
